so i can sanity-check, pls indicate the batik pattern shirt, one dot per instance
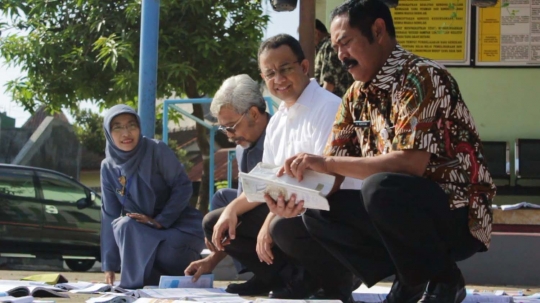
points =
(414, 103)
(328, 68)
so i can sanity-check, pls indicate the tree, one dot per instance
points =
(89, 128)
(76, 50)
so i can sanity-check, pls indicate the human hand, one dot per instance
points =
(264, 244)
(199, 267)
(109, 277)
(144, 219)
(285, 209)
(209, 245)
(296, 165)
(227, 222)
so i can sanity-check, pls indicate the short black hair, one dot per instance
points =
(320, 26)
(363, 13)
(283, 39)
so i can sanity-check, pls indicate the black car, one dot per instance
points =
(47, 214)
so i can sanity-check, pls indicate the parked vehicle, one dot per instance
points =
(47, 214)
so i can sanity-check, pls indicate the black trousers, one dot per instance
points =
(242, 248)
(293, 247)
(397, 224)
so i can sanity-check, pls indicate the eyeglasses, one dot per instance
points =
(231, 129)
(129, 127)
(283, 71)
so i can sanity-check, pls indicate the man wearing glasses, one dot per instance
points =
(241, 112)
(302, 123)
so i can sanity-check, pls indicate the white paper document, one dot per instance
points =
(205, 281)
(74, 285)
(182, 293)
(520, 205)
(112, 298)
(262, 179)
(10, 299)
(260, 300)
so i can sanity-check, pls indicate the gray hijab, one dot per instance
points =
(135, 165)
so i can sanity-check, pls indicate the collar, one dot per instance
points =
(387, 75)
(305, 97)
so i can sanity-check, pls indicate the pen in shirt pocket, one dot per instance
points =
(226, 237)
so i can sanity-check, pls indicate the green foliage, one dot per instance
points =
(74, 50)
(89, 129)
(221, 184)
(181, 154)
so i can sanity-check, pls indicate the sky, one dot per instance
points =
(283, 22)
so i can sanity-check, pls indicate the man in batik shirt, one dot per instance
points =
(402, 127)
(329, 71)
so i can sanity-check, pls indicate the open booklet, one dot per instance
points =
(262, 179)
(24, 288)
(92, 288)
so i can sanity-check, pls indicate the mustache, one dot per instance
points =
(346, 63)
(234, 139)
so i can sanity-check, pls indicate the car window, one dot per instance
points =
(59, 188)
(17, 182)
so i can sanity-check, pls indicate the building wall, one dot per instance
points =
(505, 103)
(323, 10)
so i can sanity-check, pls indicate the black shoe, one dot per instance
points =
(300, 286)
(401, 293)
(343, 293)
(438, 292)
(252, 287)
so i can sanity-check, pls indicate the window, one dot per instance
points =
(17, 182)
(59, 188)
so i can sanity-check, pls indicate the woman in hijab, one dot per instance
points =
(148, 228)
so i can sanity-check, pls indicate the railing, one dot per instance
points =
(171, 103)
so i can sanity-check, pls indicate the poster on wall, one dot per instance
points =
(508, 34)
(436, 29)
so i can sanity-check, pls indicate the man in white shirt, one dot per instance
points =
(302, 124)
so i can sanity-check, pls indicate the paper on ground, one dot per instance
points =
(259, 300)
(312, 190)
(520, 205)
(74, 285)
(152, 300)
(182, 293)
(10, 299)
(94, 288)
(221, 299)
(112, 298)
(205, 281)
